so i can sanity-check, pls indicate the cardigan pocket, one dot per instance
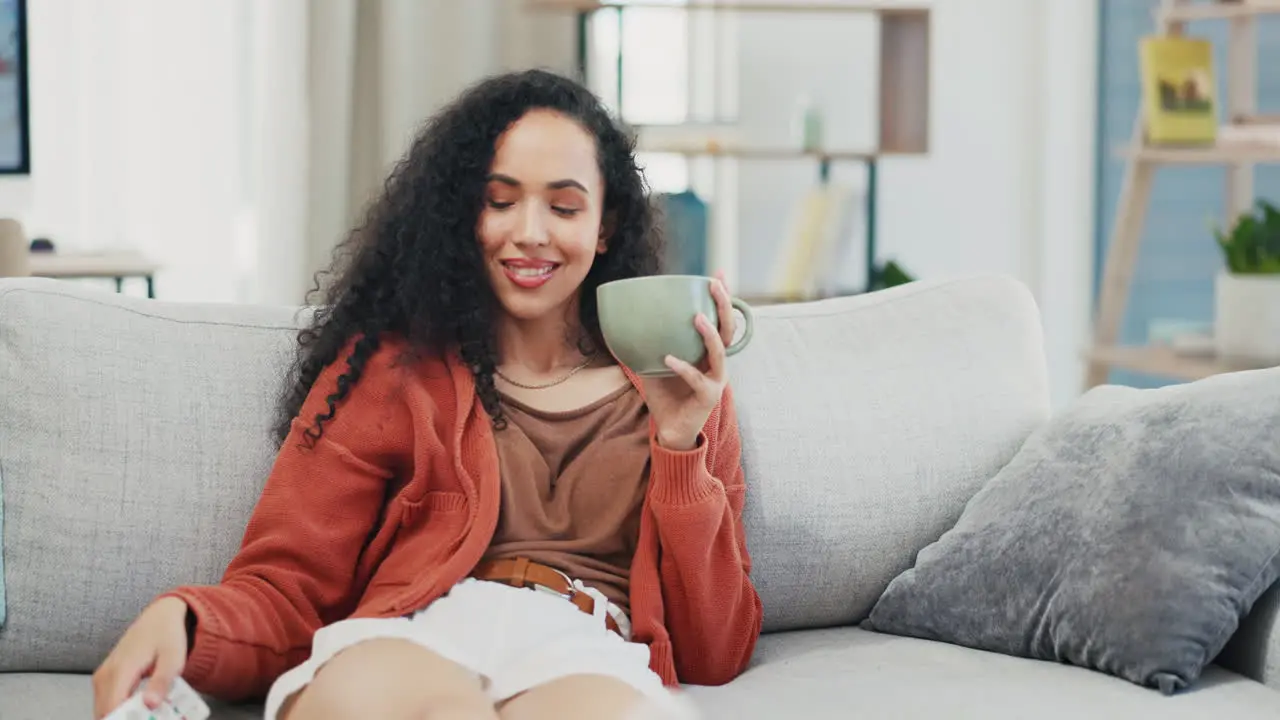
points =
(435, 502)
(428, 532)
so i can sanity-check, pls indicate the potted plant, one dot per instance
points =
(1247, 304)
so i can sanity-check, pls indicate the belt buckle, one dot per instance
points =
(569, 595)
(552, 591)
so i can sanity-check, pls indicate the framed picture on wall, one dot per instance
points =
(15, 127)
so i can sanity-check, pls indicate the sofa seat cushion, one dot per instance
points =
(854, 673)
(843, 673)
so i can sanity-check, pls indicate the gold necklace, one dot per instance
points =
(553, 383)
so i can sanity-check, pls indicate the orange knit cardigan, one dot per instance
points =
(398, 502)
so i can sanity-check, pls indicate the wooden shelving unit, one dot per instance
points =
(1240, 10)
(1202, 156)
(1165, 362)
(903, 89)
(1143, 160)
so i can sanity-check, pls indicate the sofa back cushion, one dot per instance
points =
(868, 422)
(134, 440)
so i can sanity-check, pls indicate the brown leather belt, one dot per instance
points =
(522, 573)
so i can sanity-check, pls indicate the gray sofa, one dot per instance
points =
(134, 441)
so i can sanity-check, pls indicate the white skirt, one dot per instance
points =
(515, 639)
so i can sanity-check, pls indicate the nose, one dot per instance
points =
(533, 227)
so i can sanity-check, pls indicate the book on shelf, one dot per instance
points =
(1179, 96)
(821, 223)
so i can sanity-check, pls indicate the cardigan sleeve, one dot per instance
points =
(713, 611)
(294, 570)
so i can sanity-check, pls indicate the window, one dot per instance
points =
(671, 72)
(638, 62)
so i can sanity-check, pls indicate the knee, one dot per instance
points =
(337, 697)
(386, 679)
(341, 701)
(333, 697)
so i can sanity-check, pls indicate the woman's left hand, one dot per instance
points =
(680, 405)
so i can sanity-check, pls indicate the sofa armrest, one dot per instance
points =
(1254, 651)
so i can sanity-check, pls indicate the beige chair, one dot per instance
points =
(15, 255)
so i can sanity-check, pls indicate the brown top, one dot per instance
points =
(572, 487)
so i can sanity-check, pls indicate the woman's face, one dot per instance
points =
(540, 228)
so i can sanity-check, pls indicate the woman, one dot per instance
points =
(475, 511)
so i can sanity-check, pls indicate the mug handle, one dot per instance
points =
(748, 327)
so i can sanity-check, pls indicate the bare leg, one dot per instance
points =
(392, 679)
(590, 697)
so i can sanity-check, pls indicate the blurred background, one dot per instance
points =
(221, 148)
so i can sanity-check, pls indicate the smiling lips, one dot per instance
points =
(528, 273)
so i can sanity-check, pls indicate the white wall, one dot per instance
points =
(137, 137)
(1007, 184)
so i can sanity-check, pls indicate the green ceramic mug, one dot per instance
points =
(645, 319)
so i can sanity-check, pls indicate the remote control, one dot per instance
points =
(183, 703)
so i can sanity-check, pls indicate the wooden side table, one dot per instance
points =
(118, 265)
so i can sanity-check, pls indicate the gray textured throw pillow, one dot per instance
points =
(1129, 535)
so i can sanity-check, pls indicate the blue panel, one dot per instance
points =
(685, 229)
(1178, 259)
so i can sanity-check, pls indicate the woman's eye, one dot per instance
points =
(567, 212)
(497, 205)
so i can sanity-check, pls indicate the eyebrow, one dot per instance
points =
(553, 185)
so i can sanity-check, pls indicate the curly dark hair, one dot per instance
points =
(414, 268)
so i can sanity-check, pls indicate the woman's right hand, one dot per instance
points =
(155, 645)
